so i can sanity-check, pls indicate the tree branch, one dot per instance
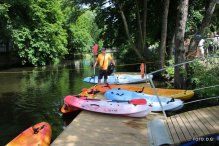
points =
(139, 25)
(144, 21)
(128, 34)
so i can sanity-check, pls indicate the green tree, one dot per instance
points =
(35, 27)
(82, 30)
(205, 23)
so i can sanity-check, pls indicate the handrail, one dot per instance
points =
(171, 67)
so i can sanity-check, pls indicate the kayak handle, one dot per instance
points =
(95, 105)
(120, 95)
(172, 100)
(38, 129)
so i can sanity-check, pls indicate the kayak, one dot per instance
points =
(65, 109)
(148, 90)
(169, 104)
(108, 107)
(119, 79)
(37, 135)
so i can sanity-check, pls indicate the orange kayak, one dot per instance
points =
(37, 135)
(149, 90)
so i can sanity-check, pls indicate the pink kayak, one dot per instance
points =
(105, 106)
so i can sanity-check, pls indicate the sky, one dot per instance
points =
(86, 6)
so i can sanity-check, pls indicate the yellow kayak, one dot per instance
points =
(148, 90)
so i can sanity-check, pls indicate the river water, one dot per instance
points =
(30, 95)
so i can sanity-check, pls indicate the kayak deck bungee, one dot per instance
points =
(37, 135)
(119, 79)
(169, 104)
(148, 90)
(108, 107)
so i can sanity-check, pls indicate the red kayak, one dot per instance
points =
(37, 135)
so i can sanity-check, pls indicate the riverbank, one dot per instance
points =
(7, 63)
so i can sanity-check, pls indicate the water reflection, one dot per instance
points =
(28, 98)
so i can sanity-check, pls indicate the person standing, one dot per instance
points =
(186, 45)
(200, 49)
(103, 64)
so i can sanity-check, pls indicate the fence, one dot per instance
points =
(3, 46)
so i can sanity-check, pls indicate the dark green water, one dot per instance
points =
(28, 98)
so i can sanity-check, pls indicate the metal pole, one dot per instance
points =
(158, 98)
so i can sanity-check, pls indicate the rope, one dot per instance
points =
(201, 100)
(193, 90)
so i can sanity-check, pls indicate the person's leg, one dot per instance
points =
(202, 52)
(99, 80)
(105, 77)
(100, 75)
(198, 52)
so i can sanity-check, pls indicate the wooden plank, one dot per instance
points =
(207, 121)
(194, 124)
(212, 111)
(188, 126)
(173, 131)
(183, 128)
(178, 129)
(210, 120)
(216, 108)
(168, 130)
(204, 126)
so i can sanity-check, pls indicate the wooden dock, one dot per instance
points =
(193, 124)
(90, 128)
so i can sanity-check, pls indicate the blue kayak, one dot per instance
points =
(119, 79)
(169, 104)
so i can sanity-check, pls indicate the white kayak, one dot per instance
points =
(108, 107)
(169, 104)
(119, 79)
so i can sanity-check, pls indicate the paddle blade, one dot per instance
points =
(142, 70)
(138, 101)
(95, 49)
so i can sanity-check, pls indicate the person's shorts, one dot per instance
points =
(102, 73)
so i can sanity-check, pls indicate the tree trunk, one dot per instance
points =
(170, 50)
(205, 22)
(143, 55)
(182, 13)
(162, 47)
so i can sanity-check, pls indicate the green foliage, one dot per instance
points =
(83, 32)
(126, 50)
(204, 74)
(170, 71)
(35, 27)
(209, 41)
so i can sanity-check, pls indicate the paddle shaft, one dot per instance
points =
(133, 101)
(110, 100)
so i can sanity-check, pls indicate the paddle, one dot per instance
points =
(95, 52)
(134, 101)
